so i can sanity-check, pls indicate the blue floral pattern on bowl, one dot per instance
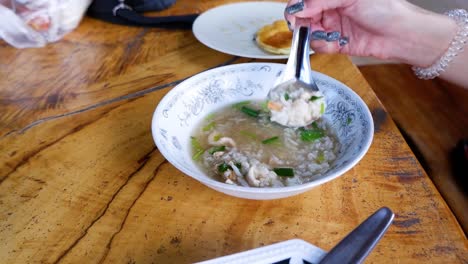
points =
(180, 111)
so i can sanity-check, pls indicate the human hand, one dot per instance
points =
(385, 29)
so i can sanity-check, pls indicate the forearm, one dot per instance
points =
(457, 71)
(425, 37)
(420, 37)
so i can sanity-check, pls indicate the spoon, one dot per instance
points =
(297, 76)
(297, 72)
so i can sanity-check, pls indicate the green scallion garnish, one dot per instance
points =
(264, 106)
(198, 154)
(284, 172)
(249, 111)
(320, 157)
(210, 116)
(322, 108)
(313, 98)
(270, 140)
(286, 96)
(210, 126)
(197, 148)
(311, 135)
(248, 134)
(241, 104)
(217, 137)
(223, 167)
(216, 149)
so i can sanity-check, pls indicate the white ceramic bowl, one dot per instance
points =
(181, 110)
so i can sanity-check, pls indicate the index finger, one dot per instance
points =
(313, 9)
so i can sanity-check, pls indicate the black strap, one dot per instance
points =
(128, 12)
(175, 22)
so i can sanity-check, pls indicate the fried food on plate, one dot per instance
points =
(275, 38)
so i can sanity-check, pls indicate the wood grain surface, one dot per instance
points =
(433, 114)
(81, 180)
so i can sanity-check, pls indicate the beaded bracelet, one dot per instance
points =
(456, 46)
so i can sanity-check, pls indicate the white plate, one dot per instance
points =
(296, 250)
(231, 28)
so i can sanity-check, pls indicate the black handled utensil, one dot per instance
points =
(357, 245)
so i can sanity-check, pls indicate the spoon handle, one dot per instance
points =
(298, 66)
(302, 57)
(355, 247)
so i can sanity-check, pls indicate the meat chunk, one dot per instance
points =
(216, 139)
(260, 176)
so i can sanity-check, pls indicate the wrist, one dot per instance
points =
(422, 37)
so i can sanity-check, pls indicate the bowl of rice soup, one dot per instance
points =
(216, 127)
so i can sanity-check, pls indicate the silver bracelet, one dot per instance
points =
(456, 47)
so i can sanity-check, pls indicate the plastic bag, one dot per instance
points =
(34, 23)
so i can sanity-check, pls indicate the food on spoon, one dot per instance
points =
(275, 38)
(240, 145)
(295, 107)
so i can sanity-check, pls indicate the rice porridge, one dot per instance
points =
(240, 145)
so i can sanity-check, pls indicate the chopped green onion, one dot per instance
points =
(264, 106)
(313, 98)
(322, 108)
(286, 96)
(197, 148)
(195, 143)
(249, 111)
(270, 140)
(217, 137)
(349, 120)
(320, 157)
(284, 172)
(198, 154)
(311, 135)
(241, 104)
(315, 126)
(210, 116)
(216, 149)
(210, 126)
(248, 134)
(223, 167)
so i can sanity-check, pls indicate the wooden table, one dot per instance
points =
(433, 147)
(81, 180)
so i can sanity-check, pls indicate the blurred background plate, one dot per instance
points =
(231, 28)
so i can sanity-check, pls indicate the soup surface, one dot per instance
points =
(241, 145)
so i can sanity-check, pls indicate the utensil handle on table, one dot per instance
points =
(355, 247)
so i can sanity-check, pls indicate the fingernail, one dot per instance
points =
(319, 35)
(297, 7)
(343, 41)
(333, 36)
(289, 25)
